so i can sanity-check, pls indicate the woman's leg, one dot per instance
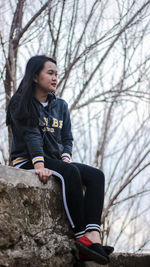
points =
(90, 244)
(72, 191)
(93, 179)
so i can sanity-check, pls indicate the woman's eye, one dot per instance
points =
(51, 73)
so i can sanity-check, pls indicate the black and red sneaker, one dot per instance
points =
(108, 250)
(91, 251)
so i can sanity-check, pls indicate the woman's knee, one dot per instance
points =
(74, 173)
(102, 176)
(99, 177)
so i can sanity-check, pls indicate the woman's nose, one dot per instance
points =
(54, 77)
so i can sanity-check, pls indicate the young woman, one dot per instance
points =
(42, 139)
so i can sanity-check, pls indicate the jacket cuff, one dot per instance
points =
(65, 156)
(37, 159)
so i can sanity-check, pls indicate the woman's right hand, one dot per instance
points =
(42, 172)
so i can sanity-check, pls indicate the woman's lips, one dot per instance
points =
(53, 84)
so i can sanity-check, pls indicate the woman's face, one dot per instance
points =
(47, 78)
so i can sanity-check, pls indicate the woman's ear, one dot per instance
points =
(35, 78)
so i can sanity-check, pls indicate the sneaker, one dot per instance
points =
(92, 251)
(108, 250)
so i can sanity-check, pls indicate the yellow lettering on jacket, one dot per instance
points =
(60, 124)
(48, 129)
(55, 123)
(46, 121)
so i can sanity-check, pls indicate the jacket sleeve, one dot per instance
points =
(67, 138)
(32, 138)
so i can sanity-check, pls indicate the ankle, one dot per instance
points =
(94, 236)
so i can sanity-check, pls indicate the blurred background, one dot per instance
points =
(102, 50)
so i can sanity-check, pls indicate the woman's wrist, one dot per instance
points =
(37, 159)
(65, 156)
(39, 165)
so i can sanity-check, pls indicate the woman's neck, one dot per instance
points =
(41, 96)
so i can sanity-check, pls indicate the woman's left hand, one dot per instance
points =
(66, 160)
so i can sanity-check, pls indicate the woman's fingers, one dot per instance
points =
(49, 173)
(66, 160)
(44, 179)
(44, 174)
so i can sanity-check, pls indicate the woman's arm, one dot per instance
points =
(34, 143)
(32, 138)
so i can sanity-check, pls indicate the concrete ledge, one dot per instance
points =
(121, 260)
(130, 260)
(34, 229)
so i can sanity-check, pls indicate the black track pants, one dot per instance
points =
(83, 210)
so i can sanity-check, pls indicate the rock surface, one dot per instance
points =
(34, 229)
(122, 260)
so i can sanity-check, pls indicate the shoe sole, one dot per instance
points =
(91, 254)
(109, 250)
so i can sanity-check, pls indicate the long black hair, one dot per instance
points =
(21, 104)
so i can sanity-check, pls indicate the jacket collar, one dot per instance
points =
(51, 98)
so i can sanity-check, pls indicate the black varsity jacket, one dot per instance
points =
(51, 138)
